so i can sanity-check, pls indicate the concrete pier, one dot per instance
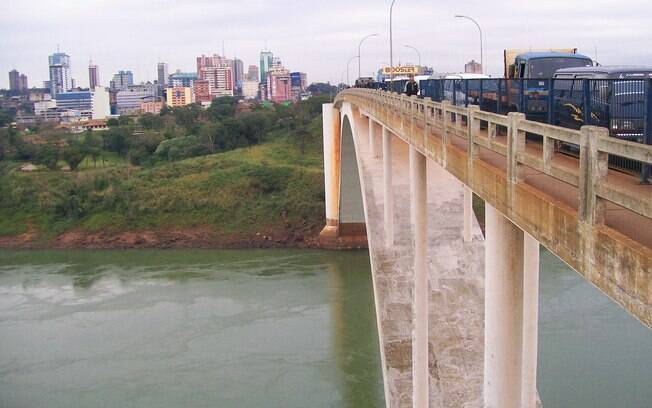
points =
(455, 272)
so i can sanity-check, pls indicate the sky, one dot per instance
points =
(316, 37)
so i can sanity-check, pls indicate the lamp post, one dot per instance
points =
(391, 47)
(480, 30)
(417, 51)
(360, 45)
(347, 69)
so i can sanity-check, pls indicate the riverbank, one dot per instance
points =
(264, 196)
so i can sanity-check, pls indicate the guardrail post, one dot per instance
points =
(593, 170)
(645, 171)
(427, 110)
(444, 133)
(472, 131)
(515, 145)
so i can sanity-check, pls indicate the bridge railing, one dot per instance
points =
(474, 130)
(565, 202)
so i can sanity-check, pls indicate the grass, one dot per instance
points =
(268, 185)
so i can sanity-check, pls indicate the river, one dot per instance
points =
(260, 328)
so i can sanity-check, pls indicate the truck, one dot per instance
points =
(526, 82)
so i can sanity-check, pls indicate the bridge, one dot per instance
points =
(457, 309)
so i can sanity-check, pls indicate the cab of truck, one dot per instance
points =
(543, 65)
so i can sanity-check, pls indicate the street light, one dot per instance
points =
(360, 45)
(480, 30)
(347, 69)
(391, 47)
(417, 51)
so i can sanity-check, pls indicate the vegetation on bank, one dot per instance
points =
(218, 168)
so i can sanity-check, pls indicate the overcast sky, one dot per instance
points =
(317, 37)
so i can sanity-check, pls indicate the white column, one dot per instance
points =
(388, 192)
(420, 375)
(503, 311)
(330, 119)
(530, 321)
(468, 214)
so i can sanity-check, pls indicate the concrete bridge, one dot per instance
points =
(457, 311)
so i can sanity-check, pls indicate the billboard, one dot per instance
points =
(405, 70)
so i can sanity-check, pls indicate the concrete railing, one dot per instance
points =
(560, 200)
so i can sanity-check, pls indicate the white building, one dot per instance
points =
(90, 104)
(128, 100)
(250, 89)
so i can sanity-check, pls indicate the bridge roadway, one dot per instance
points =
(598, 221)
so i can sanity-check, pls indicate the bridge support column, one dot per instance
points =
(511, 301)
(530, 321)
(468, 214)
(388, 192)
(331, 133)
(420, 375)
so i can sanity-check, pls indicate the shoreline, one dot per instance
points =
(188, 238)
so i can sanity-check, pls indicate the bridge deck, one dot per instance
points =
(456, 307)
(596, 220)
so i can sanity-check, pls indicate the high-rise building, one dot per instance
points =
(22, 82)
(182, 79)
(60, 74)
(163, 77)
(473, 67)
(14, 80)
(202, 90)
(93, 75)
(279, 84)
(238, 74)
(128, 100)
(90, 104)
(122, 80)
(266, 58)
(179, 96)
(252, 73)
(250, 88)
(218, 71)
(299, 81)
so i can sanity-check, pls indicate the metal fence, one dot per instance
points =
(624, 106)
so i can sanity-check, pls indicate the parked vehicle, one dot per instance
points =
(364, 82)
(615, 99)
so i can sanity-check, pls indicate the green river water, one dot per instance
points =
(260, 328)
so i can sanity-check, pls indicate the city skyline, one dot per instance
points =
(319, 39)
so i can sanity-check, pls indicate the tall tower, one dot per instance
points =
(60, 75)
(163, 76)
(14, 80)
(93, 75)
(266, 58)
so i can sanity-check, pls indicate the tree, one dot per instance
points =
(222, 108)
(151, 122)
(256, 124)
(301, 124)
(209, 132)
(47, 156)
(115, 139)
(73, 155)
(320, 88)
